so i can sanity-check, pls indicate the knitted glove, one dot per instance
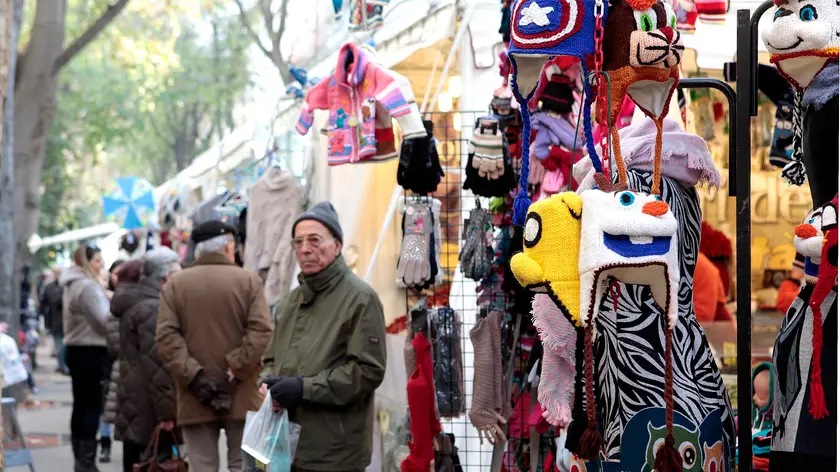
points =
(286, 392)
(203, 388)
(414, 267)
(475, 256)
(225, 390)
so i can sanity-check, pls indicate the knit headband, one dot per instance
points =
(541, 29)
(803, 39)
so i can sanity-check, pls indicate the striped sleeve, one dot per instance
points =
(390, 95)
(316, 99)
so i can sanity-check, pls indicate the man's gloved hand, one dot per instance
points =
(225, 390)
(286, 392)
(203, 388)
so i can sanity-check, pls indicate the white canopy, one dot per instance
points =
(105, 229)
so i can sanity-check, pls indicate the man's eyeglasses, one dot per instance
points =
(313, 240)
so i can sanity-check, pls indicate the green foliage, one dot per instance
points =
(158, 87)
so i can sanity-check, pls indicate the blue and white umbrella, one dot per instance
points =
(131, 202)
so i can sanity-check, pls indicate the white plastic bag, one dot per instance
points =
(270, 438)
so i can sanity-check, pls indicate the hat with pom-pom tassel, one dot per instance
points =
(539, 30)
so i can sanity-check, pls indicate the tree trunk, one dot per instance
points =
(7, 165)
(35, 102)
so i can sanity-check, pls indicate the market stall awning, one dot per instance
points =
(36, 242)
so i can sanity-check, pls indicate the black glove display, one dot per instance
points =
(203, 388)
(286, 392)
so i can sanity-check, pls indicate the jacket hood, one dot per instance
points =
(276, 178)
(768, 408)
(71, 275)
(128, 295)
(351, 61)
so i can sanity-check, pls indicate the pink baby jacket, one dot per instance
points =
(351, 95)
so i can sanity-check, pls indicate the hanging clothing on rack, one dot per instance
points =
(421, 405)
(274, 205)
(449, 370)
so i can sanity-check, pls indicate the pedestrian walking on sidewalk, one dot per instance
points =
(86, 313)
(121, 273)
(52, 309)
(327, 355)
(212, 330)
(145, 394)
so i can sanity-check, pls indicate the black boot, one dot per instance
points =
(86, 458)
(105, 453)
(75, 443)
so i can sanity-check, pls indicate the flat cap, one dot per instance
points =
(211, 229)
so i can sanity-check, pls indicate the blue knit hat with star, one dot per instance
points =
(539, 30)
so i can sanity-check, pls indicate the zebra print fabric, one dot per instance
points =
(631, 342)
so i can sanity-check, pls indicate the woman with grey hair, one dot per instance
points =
(145, 393)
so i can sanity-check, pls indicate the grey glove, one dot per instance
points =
(414, 267)
(476, 256)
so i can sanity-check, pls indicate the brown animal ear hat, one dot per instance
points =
(642, 52)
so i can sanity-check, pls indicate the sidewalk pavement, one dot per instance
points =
(46, 423)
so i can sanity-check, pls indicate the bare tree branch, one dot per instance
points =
(88, 35)
(243, 15)
(157, 132)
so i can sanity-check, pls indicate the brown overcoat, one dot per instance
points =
(213, 316)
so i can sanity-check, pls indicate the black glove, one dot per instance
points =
(203, 388)
(225, 390)
(286, 392)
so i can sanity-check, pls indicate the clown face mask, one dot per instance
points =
(631, 236)
(803, 38)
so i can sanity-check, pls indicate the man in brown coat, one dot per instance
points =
(212, 330)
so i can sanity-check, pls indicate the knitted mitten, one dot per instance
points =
(482, 410)
(414, 268)
(475, 256)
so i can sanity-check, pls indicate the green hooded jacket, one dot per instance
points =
(331, 331)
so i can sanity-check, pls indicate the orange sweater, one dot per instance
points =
(709, 294)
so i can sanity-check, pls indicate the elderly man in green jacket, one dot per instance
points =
(327, 355)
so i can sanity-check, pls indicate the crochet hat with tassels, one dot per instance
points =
(540, 29)
(803, 39)
(642, 52)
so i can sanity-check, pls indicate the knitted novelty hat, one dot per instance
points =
(541, 29)
(803, 39)
(642, 52)
(631, 236)
(808, 241)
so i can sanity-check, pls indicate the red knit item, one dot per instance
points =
(421, 410)
(826, 280)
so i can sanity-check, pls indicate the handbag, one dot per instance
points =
(153, 464)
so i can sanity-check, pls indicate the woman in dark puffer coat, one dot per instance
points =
(121, 273)
(145, 393)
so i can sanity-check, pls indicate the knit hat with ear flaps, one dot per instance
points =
(642, 52)
(803, 39)
(826, 281)
(541, 29)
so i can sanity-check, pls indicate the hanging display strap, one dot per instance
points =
(602, 111)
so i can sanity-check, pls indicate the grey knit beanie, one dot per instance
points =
(325, 214)
(157, 259)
